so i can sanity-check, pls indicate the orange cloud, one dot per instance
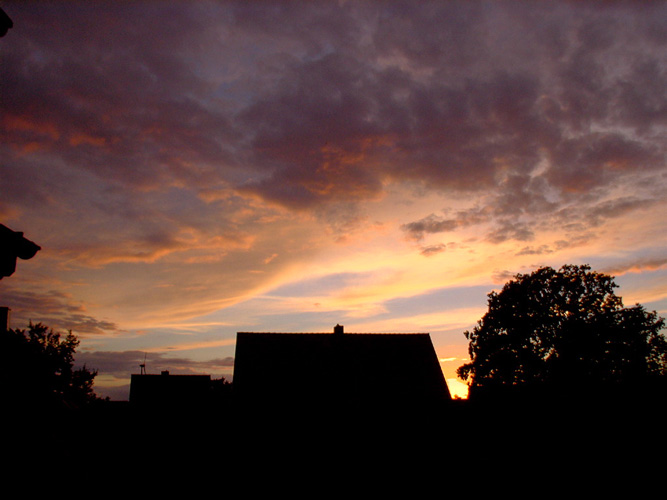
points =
(28, 124)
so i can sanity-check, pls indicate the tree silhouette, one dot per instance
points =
(37, 369)
(562, 330)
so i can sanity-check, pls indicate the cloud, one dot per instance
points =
(121, 365)
(502, 276)
(433, 224)
(54, 308)
(516, 212)
(433, 249)
(504, 228)
(530, 250)
(637, 266)
(598, 159)
(429, 224)
(345, 107)
(509, 230)
(176, 158)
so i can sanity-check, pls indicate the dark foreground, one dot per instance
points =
(450, 441)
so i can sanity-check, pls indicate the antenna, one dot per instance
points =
(143, 366)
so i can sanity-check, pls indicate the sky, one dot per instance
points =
(195, 169)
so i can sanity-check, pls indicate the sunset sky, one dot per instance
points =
(195, 169)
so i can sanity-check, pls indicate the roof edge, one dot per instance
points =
(329, 333)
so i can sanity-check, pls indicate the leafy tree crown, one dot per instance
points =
(38, 368)
(562, 327)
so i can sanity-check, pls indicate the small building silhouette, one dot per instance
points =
(173, 391)
(340, 370)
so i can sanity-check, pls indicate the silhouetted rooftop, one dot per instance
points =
(337, 368)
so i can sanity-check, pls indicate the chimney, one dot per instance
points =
(4, 319)
(338, 330)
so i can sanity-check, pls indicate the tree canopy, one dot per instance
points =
(562, 329)
(38, 369)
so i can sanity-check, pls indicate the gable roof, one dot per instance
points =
(349, 368)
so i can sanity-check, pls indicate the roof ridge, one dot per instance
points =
(346, 333)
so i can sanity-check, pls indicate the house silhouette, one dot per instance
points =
(337, 370)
